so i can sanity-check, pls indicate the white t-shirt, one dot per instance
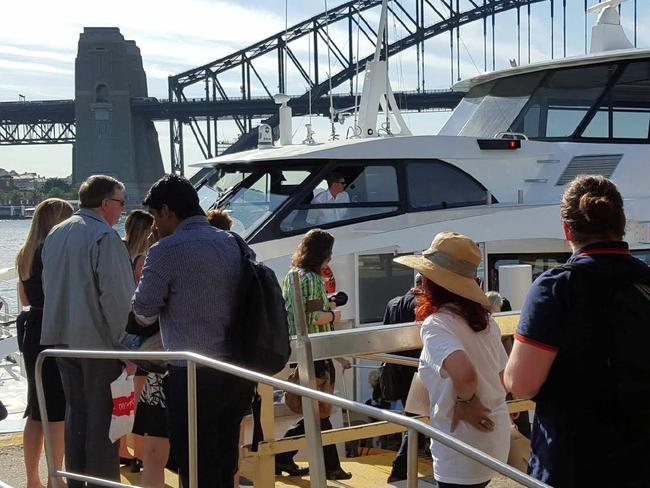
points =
(443, 333)
(326, 215)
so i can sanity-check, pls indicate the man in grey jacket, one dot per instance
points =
(88, 285)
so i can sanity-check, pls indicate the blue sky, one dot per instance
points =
(38, 44)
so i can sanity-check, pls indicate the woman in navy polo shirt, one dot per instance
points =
(565, 346)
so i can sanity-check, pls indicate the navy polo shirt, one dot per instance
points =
(544, 316)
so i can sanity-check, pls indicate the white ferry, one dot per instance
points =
(496, 172)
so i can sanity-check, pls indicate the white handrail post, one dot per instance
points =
(412, 459)
(191, 424)
(307, 376)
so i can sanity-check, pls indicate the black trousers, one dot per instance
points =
(222, 401)
(89, 406)
(330, 453)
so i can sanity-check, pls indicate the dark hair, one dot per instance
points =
(219, 218)
(592, 207)
(505, 306)
(314, 248)
(96, 188)
(177, 193)
(434, 296)
(333, 178)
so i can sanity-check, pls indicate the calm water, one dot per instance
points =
(12, 235)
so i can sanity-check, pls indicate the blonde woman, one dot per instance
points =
(48, 213)
(150, 418)
(137, 229)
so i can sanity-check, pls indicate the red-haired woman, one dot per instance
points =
(462, 360)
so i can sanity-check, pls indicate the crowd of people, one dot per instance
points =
(176, 274)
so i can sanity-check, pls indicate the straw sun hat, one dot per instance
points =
(450, 262)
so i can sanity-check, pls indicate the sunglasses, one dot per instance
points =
(121, 202)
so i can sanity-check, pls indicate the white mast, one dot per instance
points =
(377, 90)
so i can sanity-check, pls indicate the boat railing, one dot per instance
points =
(193, 360)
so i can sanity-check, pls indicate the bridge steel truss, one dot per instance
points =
(420, 20)
(44, 132)
(45, 122)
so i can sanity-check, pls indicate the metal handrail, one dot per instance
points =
(193, 359)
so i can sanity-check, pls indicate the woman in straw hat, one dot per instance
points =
(462, 359)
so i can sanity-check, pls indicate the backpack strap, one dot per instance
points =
(256, 408)
(245, 249)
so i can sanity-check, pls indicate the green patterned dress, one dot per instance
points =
(313, 288)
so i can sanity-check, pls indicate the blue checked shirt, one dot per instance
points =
(190, 281)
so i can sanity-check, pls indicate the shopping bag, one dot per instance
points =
(519, 449)
(417, 402)
(123, 395)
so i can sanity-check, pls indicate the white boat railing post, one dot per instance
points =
(412, 459)
(191, 421)
(310, 410)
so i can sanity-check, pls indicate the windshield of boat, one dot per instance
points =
(604, 102)
(250, 196)
(491, 107)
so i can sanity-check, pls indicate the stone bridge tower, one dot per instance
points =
(110, 139)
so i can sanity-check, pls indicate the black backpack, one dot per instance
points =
(261, 331)
(605, 362)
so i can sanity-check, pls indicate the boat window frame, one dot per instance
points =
(271, 229)
(578, 133)
(413, 209)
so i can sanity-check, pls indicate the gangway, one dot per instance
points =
(369, 342)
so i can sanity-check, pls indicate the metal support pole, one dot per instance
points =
(207, 118)
(564, 28)
(485, 41)
(552, 29)
(191, 423)
(451, 43)
(412, 459)
(457, 41)
(585, 26)
(307, 376)
(518, 36)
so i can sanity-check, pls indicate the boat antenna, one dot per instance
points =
(386, 125)
(333, 136)
(310, 132)
(356, 130)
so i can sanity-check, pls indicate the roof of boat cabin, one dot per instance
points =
(573, 61)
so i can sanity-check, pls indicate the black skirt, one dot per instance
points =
(53, 388)
(150, 420)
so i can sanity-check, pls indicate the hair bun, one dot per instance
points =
(596, 208)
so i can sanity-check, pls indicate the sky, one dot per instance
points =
(38, 43)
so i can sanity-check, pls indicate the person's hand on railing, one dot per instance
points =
(474, 413)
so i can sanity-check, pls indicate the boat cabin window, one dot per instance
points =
(435, 184)
(562, 101)
(380, 280)
(624, 113)
(490, 108)
(219, 183)
(257, 195)
(348, 192)
(600, 103)
(539, 262)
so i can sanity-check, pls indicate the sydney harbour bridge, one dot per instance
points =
(326, 53)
